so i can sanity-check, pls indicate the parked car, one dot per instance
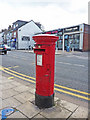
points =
(7, 47)
(3, 49)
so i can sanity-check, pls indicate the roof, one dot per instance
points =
(20, 21)
(19, 25)
(37, 23)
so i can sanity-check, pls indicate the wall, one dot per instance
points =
(86, 38)
(28, 29)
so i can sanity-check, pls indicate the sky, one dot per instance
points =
(52, 14)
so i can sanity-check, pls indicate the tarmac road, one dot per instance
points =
(71, 71)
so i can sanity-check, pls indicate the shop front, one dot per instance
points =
(71, 37)
(74, 37)
(72, 41)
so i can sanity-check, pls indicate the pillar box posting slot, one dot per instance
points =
(45, 61)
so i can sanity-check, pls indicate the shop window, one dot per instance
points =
(60, 37)
(60, 33)
(73, 41)
(66, 37)
(77, 36)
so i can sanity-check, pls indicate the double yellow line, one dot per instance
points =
(57, 87)
(5, 70)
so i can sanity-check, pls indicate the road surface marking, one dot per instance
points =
(19, 76)
(80, 57)
(76, 95)
(72, 89)
(13, 67)
(1, 67)
(9, 67)
(72, 64)
(54, 84)
(70, 93)
(57, 89)
(20, 73)
(10, 77)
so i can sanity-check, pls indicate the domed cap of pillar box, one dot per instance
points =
(45, 38)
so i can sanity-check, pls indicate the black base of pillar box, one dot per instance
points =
(44, 101)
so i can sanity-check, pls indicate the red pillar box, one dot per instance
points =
(45, 59)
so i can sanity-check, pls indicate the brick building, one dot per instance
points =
(86, 38)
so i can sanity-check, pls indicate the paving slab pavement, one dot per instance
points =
(21, 98)
(21, 88)
(8, 93)
(80, 112)
(18, 115)
(56, 112)
(10, 102)
(69, 106)
(25, 96)
(29, 109)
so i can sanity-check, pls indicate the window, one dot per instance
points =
(14, 34)
(66, 37)
(74, 40)
(77, 36)
(16, 25)
(25, 38)
(60, 33)
(60, 37)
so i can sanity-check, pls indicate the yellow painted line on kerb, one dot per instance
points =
(54, 84)
(16, 66)
(76, 95)
(13, 67)
(9, 67)
(19, 73)
(70, 93)
(79, 96)
(10, 77)
(72, 89)
(19, 76)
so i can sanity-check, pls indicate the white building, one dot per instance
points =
(25, 34)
